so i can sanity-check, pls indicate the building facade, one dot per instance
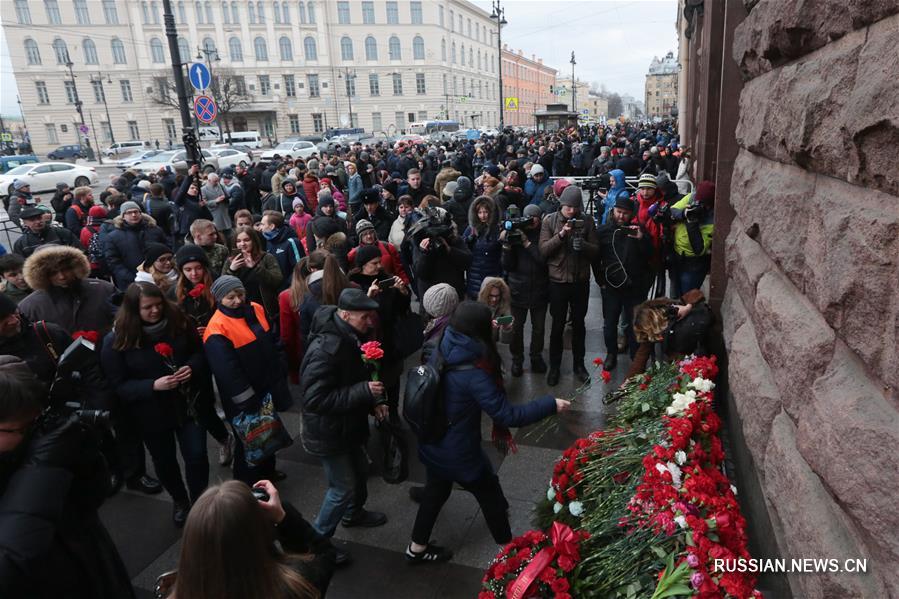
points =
(597, 107)
(285, 68)
(661, 86)
(563, 93)
(530, 82)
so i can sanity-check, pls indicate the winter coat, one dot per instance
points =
(310, 189)
(459, 455)
(445, 175)
(397, 232)
(565, 265)
(83, 306)
(289, 333)
(460, 203)
(616, 249)
(287, 250)
(161, 211)
(76, 217)
(444, 264)
(241, 351)
(236, 199)
(250, 188)
(381, 219)
(125, 246)
(392, 304)
(486, 248)
(18, 201)
(619, 187)
(217, 208)
(49, 235)
(217, 254)
(334, 387)
(29, 346)
(390, 261)
(650, 226)
(189, 208)
(311, 244)
(131, 374)
(354, 190)
(262, 282)
(526, 272)
(534, 191)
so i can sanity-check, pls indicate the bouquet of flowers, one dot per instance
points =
(371, 355)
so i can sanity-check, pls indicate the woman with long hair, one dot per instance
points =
(324, 282)
(473, 384)
(228, 548)
(483, 239)
(289, 302)
(154, 361)
(257, 269)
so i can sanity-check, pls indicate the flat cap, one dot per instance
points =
(355, 300)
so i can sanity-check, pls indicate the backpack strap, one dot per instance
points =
(40, 329)
(293, 245)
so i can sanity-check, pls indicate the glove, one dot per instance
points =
(60, 447)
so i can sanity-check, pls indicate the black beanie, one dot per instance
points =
(473, 319)
(7, 305)
(191, 253)
(366, 253)
(324, 226)
(154, 251)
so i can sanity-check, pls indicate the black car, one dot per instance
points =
(69, 151)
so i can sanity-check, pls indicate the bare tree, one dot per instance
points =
(227, 89)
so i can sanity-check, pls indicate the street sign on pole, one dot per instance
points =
(205, 109)
(511, 104)
(84, 129)
(199, 76)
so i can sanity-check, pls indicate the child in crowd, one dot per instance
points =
(300, 218)
(13, 284)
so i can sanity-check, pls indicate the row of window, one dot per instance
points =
(82, 14)
(61, 51)
(99, 90)
(368, 13)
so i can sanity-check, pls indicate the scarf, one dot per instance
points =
(154, 331)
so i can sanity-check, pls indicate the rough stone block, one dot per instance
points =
(812, 524)
(794, 338)
(777, 32)
(847, 434)
(746, 261)
(733, 313)
(756, 397)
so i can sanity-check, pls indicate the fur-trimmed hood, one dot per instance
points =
(474, 222)
(119, 221)
(53, 258)
(505, 304)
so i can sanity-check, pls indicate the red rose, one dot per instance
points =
(548, 575)
(643, 387)
(597, 361)
(197, 291)
(92, 336)
(560, 585)
(164, 349)
(606, 376)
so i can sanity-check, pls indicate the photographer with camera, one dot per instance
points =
(438, 254)
(52, 481)
(694, 224)
(568, 243)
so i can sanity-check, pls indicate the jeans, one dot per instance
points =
(689, 273)
(192, 442)
(538, 329)
(347, 489)
(561, 296)
(487, 492)
(619, 303)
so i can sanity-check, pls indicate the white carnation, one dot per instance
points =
(681, 521)
(550, 493)
(702, 385)
(576, 508)
(557, 507)
(675, 474)
(680, 457)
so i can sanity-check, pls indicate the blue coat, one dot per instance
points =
(618, 187)
(534, 191)
(459, 455)
(287, 250)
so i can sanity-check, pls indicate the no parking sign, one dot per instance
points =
(205, 109)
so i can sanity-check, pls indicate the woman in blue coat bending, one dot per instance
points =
(473, 384)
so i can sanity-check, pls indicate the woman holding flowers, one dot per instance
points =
(154, 361)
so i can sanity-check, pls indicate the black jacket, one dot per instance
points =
(287, 250)
(631, 253)
(381, 219)
(49, 235)
(161, 211)
(251, 190)
(125, 246)
(189, 208)
(334, 386)
(447, 263)
(527, 274)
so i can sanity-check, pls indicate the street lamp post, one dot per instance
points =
(99, 80)
(499, 14)
(349, 78)
(573, 85)
(188, 136)
(85, 138)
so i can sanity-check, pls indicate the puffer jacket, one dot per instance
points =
(564, 264)
(459, 455)
(526, 271)
(125, 246)
(486, 248)
(311, 187)
(619, 187)
(287, 250)
(534, 191)
(334, 387)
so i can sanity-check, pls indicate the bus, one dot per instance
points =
(433, 127)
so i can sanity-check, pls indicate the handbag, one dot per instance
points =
(261, 433)
(396, 453)
(408, 334)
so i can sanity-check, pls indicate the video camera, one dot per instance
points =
(434, 226)
(514, 225)
(693, 213)
(592, 184)
(79, 356)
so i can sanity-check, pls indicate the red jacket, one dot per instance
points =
(290, 335)
(311, 188)
(651, 227)
(390, 261)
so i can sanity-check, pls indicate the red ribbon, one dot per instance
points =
(564, 542)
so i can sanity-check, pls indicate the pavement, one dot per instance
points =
(149, 543)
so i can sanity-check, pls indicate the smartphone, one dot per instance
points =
(235, 253)
(386, 283)
(634, 229)
(260, 494)
(503, 320)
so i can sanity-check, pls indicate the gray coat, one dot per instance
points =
(218, 208)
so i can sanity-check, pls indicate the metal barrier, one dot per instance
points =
(592, 192)
(9, 233)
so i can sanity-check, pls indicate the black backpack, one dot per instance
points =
(424, 406)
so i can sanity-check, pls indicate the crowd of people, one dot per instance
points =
(195, 301)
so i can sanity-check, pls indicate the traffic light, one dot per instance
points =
(552, 89)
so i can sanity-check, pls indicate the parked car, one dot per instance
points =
(313, 138)
(126, 147)
(332, 143)
(7, 163)
(68, 151)
(290, 149)
(176, 160)
(132, 159)
(378, 138)
(43, 176)
(229, 157)
(490, 132)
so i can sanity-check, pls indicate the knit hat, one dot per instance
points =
(20, 183)
(647, 180)
(450, 188)
(325, 199)
(224, 285)
(471, 318)
(493, 171)
(154, 251)
(367, 253)
(324, 226)
(129, 205)
(559, 186)
(96, 214)
(571, 196)
(440, 300)
(144, 184)
(297, 202)
(363, 225)
(705, 193)
(190, 253)
(537, 169)
(7, 305)
(532, 210)
(623, 202)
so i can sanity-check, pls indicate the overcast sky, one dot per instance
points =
(613, 41)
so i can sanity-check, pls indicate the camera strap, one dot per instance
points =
(40, 329)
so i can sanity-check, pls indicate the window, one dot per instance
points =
(285, 48)
(198, 12)
(420, 84)
(125, 86)
(371, 48)
(265, 85)
(210, 20)
(294, 121)
(394, 48)
(368, 13)
(23, 13)
(70, 91)
(99, 95)
(350, 86)
(32, 53)
(455, 85)
(346, 48)
(82, 16)
(301, 11)
(118, 52)
(311, 10)
(290, 87)
(415, 10)
(317, 124)
(469, 27)
(240, 85)
(343, 13)
(374, 84)
(170, 131)
(61, 52)
(471, 57)
(162, 88)
(397, 84)
(312, 84)
(260, 48)
(393, 13)
(235, 14)
(209, 48)
(400, 119)
(422, 115)
(260, 12)
(285, 11)
(235, 51)
(479, 60)
(440, 19)
(443, 50)
(42, 96)
(105, 131)
(276, 11)
(309, 48)
(452, 15)
(251, 13)
(460, 23)
(418, 48)
(226, 13)
(133, 130)
(183, 50)
(52, 8)
(454, 53)
(376, 121)
(52, 138)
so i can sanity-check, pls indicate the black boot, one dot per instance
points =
(538, 365)
(552, 378)
(145, 484)
(517, 368)
(611, 361)
(580, 373)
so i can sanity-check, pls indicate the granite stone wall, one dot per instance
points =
(811, 310)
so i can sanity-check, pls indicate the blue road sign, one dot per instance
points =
(199, 76)
(205, 109)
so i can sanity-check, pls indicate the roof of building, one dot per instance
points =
(666, 66)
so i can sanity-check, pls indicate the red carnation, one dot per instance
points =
(92, 336)
(164, 349)
(372, 350)
(606, 376)
(197, 291)
(560, 585)
(566, 563)
(597, 361)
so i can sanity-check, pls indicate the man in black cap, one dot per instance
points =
(338, 395)
(568, 243)
(623, 273)
(36, 233)
(375, 213)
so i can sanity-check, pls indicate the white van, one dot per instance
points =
(126, 147)
(250, 139)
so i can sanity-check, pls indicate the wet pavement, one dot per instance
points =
(142, 526)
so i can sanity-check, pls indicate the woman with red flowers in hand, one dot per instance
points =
(154, 361)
